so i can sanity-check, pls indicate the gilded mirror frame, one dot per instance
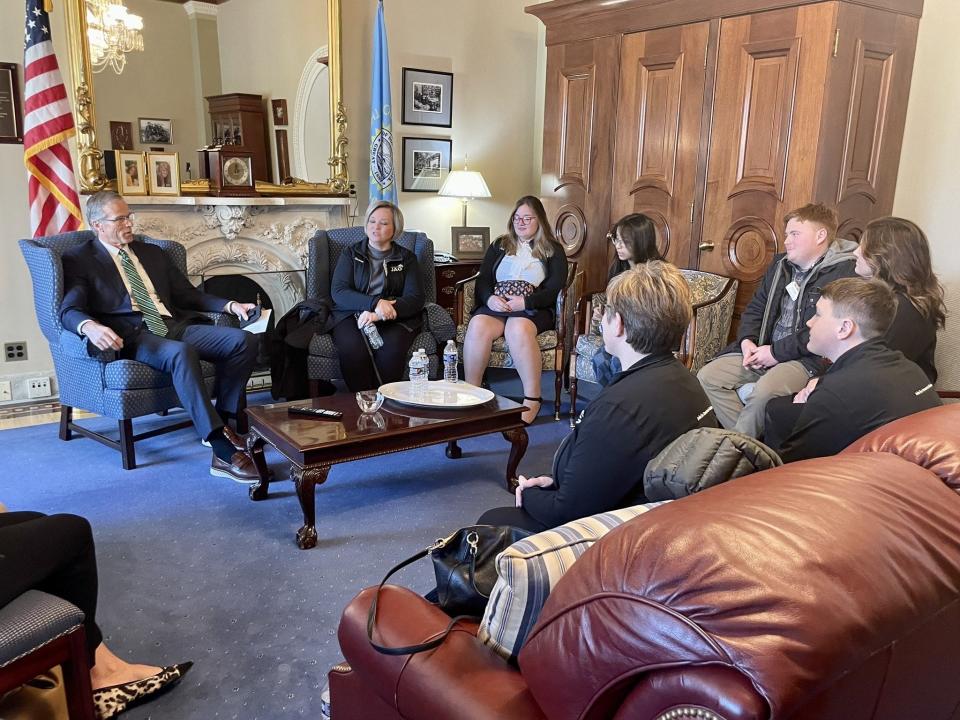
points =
(90, 157)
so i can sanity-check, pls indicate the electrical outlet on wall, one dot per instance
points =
(38, 387)
(5, 391)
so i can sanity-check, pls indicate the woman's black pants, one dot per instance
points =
(54, 554)
(356, 363)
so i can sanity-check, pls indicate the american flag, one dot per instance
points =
(47, 123)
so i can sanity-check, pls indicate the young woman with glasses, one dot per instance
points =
(634, 239)
(521, 275)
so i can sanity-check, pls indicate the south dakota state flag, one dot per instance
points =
(383, 184)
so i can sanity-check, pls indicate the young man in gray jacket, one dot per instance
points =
(771, 347)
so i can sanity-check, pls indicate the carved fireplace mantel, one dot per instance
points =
(225, 236)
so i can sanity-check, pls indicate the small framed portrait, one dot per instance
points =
(470, 243)
(131, 172)
(11, 113)
(426, 163)
(155, 131)
(163, 172)
(280, 116)
(427, 97)
(121, 135)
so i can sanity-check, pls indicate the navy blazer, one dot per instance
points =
(94, 290)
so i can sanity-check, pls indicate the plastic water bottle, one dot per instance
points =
(373, 336)
(450, 359)
(418, 370)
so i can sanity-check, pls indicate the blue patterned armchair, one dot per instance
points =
(95, 380)
(713, 298)
(323, 362)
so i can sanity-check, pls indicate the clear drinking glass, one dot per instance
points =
(369, 401)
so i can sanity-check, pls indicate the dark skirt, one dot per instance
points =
(543, 319)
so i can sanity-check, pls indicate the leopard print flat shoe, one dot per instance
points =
(113, 700)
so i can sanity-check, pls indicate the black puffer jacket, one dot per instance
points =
(702, 458)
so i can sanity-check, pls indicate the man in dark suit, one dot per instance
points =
(125, 295)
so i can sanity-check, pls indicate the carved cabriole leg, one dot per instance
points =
(66, 417)
(518, 446)
(255, 445)
(306, 481)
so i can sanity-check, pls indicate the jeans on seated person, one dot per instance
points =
(605, 367)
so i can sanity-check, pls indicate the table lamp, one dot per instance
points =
(466, 185)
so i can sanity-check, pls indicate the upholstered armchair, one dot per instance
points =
(38, 632)
(323, 362)
(554, 343)
(713, 302)
(95, 380)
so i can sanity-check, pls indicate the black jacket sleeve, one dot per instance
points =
(73, 307)
(545, 296)
(589, 481)
(412, 300)
(815, 432)
(344, 295)
(485, 275)
(751, 320)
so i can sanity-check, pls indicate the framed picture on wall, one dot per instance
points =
(426, 163)
(279, 111)
(427, 97)
(131, 172)
(470, 243)
(11, 113)
(163, 171)
(121, 135)
(155, 131)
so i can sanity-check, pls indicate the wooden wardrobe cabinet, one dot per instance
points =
(717, 117)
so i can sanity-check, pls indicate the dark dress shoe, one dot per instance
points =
(240, 468)
(238, 441)
(113, 700)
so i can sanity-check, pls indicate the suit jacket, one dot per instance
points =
(94, 290)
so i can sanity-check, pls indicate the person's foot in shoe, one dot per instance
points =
(230, 462)
(238, 441)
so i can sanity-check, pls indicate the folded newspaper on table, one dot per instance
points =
(257, 321)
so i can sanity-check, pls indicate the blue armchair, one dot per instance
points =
(95, 380)
(325, 247)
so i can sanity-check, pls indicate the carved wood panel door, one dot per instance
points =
(662, 81)
(578, 127)
(770, 87)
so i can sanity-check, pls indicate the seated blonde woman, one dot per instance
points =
(521, 275)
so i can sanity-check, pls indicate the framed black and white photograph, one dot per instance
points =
(470, 243)
(426, 163)
(11, 112)
(427, 97)
(155, 131)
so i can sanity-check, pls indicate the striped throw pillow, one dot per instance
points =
(530, 568)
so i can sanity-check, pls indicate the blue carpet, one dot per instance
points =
(191, 569)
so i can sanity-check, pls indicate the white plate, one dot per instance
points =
(439, 394)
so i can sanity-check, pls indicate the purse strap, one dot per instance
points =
(421, 647)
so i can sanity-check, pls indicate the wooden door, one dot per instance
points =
(662, 81)
(865, 114)
(771, 74)
(578, 127)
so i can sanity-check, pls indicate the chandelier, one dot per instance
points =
(112, 32)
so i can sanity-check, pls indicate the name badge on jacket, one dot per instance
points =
(793, 290)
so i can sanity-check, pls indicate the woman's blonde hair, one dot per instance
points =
(394, 210)
(898, 253)
(544, 243)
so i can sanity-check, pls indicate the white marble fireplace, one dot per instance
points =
(264, 238)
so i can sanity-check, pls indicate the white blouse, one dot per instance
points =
(522, 266)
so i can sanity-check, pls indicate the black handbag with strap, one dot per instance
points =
(465, 568)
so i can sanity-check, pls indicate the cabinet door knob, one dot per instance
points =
(705, 246)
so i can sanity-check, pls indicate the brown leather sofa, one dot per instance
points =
(826, 589)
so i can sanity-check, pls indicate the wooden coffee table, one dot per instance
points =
(314, 446)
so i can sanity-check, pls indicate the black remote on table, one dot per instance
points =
(316, 413)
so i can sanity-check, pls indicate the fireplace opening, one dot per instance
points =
(244, 289)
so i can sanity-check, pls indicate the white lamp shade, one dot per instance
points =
(465, 184)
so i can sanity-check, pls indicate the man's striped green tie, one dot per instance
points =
(151, 316)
